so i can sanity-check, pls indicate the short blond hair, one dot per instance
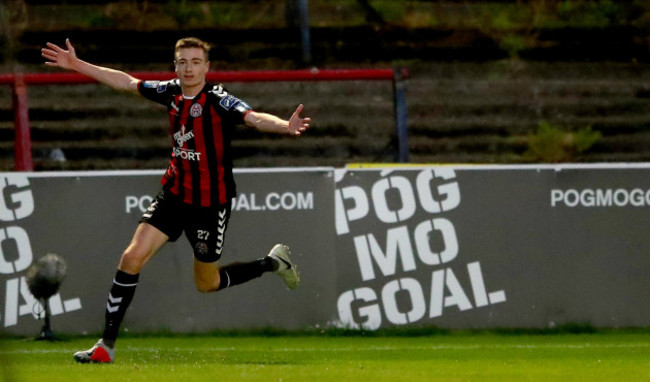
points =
(193, 42)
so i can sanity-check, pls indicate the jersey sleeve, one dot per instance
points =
(159, 91)
(228, 105)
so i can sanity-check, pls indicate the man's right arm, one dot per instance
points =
(67, 59)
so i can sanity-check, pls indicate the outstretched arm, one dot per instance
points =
(269, 123)
(67, 59)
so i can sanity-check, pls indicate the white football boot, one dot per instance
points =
(280, 255)
(100, 353)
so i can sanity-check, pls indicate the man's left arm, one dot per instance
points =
(269, 123)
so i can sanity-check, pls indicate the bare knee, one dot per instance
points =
(206, 276)
(146, 241)
(206, 286)
(132, 262)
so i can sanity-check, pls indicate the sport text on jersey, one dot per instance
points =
(187, 154)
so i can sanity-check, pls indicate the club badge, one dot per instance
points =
(201, 248)
(196, 110)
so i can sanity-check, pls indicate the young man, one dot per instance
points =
(198, 185)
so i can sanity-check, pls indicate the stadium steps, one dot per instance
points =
(461, 114)
(458, 113)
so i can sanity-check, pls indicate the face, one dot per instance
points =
(191, 66)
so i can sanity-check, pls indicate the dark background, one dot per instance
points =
(484, 76)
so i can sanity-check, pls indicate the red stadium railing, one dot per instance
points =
(19, 83)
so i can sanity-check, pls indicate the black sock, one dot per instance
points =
(239, 273)
(119, 298)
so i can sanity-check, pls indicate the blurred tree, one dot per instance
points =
(13, 21)
(372, 16)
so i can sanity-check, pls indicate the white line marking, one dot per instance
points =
(352, 348)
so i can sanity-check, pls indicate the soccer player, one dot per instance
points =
(198, 185)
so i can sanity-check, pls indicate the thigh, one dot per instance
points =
(206, 232)
(165, 213)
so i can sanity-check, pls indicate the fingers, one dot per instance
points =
(300, 124)
(57, 55)
(301, 129)
(296, 115)
(69, 45)
(51, 54)
(54, 47)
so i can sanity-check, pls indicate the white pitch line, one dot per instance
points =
(362, 348)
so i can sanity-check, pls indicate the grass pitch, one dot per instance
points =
(612, 356)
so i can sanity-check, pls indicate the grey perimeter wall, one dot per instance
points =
(447, 246)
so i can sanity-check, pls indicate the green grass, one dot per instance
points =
(611, 356)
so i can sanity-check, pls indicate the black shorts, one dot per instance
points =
(204, 227)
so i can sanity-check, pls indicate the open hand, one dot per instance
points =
(58, 56)
(297, 124)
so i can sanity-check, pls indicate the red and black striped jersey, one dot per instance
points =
(201, 128)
